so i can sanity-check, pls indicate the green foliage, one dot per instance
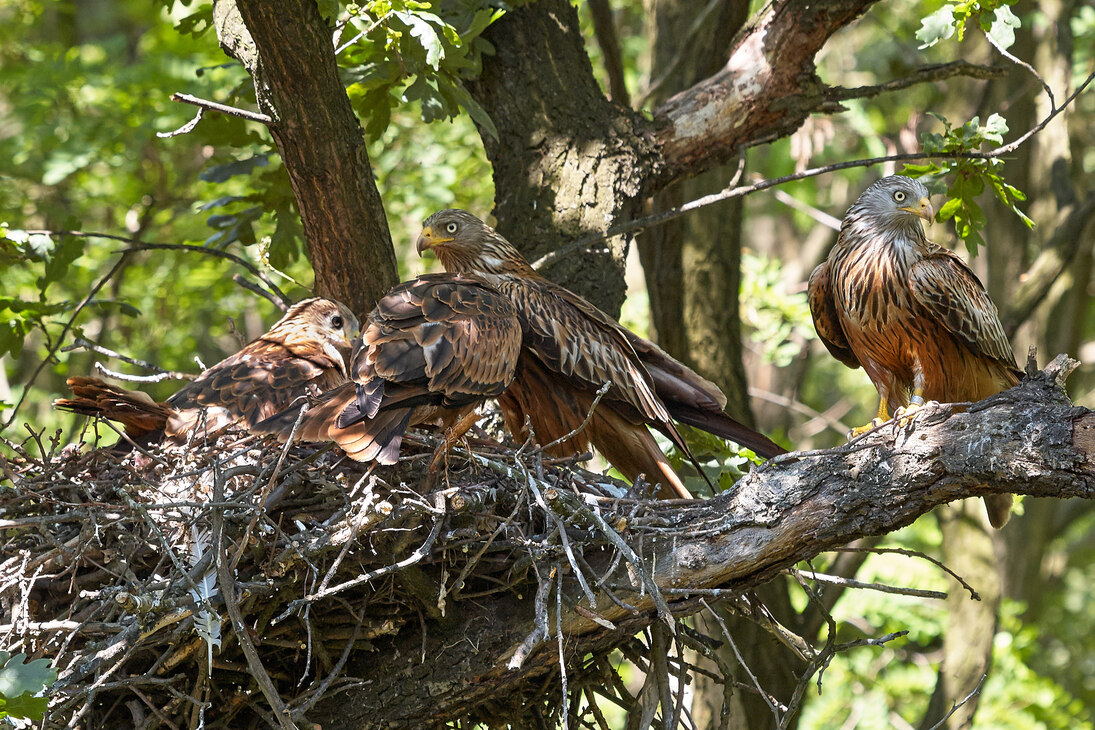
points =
(722, 464)
(994, 17)
(416, 52)
(778, 322)
(20, 684)
(24, 255)
(971, 175)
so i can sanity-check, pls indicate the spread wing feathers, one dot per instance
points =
(577, 340)
(690, 398)
(439, 340)
(315, 425)
(140, 415)
(249, 386)
(432, 348)
(949, 291)
(826, 320)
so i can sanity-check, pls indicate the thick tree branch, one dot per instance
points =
(1028, 440)
(286, 47)
(769, 86)
(765, 91)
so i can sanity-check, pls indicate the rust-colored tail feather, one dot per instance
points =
(141, 416)
(690, 398)
(631, 448)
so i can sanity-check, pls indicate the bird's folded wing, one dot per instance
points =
(253, 384)
(574, 338)
(950, 293)
(826, 320)
(455, 340)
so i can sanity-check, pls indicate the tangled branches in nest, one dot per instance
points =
(110, 570)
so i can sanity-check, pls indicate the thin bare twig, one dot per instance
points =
(223, 108)
(81, 344)
(158, 377)
(934, 72)
(584, 424)
(954, 708)
(422, 551)
(837, 580)
(768, 700)
(137, 244)
(540, 628)
(915, 554)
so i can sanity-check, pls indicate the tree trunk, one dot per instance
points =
(567, 163)
(286, 46)
(968, 550)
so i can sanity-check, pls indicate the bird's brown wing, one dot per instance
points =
(438, 343)
(557, 412)
(826, 321)
(454, 336)
(141, 416)
(574, 338)
(254, 383)
(952, 295)
(579, 349)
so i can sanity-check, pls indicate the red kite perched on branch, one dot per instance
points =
(305, 353)
(570, 349)
(910, 312)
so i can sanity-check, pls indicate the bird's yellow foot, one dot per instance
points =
(904, 415)
(860, 430)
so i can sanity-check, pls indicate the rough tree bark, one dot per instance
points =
(1028, 440)
(692, 265)
(568, 163)
(286, 47)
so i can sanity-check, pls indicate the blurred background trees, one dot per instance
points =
(458, 113)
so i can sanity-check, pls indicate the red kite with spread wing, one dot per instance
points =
(570, 349)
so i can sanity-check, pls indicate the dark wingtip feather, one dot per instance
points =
(726, 427)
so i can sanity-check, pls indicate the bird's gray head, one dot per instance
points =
(466, 245)
(893, 204)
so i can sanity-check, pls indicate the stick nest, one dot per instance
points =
(109, 569)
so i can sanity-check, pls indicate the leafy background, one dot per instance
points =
(84, 92)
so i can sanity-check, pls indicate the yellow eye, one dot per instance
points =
(899, 197)
(451, 228)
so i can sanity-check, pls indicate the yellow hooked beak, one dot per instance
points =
(427, 242)
(923, 209)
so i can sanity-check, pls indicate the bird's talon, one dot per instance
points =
(904, 415)
(860, 430)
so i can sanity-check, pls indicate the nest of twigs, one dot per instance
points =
(108, 570)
